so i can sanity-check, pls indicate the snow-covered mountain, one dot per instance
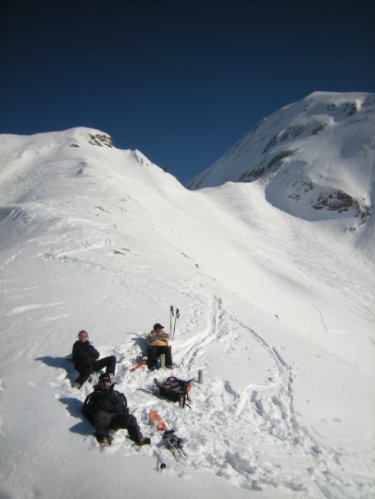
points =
(315, 158)
(276, 309)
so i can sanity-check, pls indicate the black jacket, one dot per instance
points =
(104, 400)
(84, 354)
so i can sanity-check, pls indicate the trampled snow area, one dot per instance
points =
(276, 310)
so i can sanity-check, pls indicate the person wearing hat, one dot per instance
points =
(157, 344)
(85, 359)
(107, 409)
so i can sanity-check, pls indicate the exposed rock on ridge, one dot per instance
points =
(314, 157)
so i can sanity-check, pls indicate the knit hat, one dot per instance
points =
(105, 377)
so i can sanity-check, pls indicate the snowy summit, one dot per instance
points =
(315, 157)
(269, 258)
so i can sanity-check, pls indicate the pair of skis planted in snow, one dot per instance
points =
(172, 315)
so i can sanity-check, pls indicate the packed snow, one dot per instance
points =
(276, 310)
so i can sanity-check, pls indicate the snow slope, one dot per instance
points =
(276, 310)
(315, 158)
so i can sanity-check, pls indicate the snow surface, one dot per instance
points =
(315, 158)
(277, 310)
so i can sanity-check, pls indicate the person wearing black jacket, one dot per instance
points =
(85, 359)
(107, 409)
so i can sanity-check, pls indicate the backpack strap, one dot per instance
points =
(185, 397)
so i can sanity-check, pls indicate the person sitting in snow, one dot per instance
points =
(85, 360)
(157, 344)
(107, 409)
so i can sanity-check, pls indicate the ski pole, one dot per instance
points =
(175, 320)
(170, 320)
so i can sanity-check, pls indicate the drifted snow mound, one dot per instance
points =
(315, 158)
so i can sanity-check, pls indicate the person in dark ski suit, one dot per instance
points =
(107, 409)
(157, 344)
(85, 359)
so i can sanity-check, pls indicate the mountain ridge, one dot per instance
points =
(275, 310)
(315, 158)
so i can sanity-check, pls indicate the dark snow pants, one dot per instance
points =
(153, 353)
(104, 421)
(85, 370)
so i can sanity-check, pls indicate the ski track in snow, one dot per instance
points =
(250, 460)
(275, 416)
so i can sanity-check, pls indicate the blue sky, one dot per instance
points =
(179, 80)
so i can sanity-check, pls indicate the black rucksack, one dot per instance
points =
(175, 389)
